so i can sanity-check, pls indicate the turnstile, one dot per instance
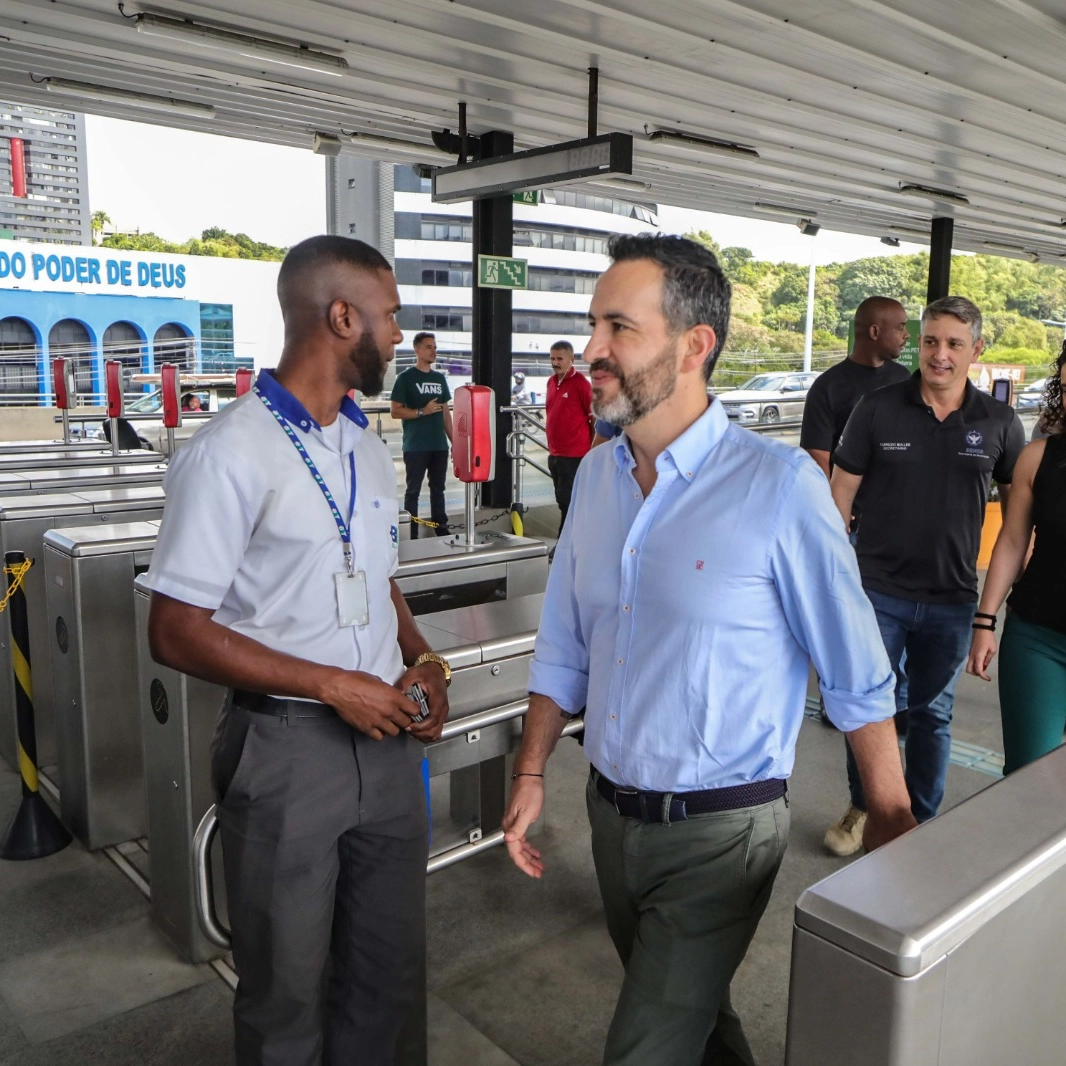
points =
(89, 574)
(24, 520)
(26, 447)
(947, 947)
(489, 646)
(31, 482)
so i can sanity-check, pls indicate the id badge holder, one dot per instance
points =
(352, 606)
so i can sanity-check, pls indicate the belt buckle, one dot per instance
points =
(623, 792)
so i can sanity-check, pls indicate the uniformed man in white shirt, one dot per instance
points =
(273, 576)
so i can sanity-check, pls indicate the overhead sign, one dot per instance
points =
(556, 164)
(502, 272)
(531, 197)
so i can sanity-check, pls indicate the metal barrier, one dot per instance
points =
(947, 945)
(527, 426)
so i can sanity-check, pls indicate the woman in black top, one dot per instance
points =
(1032, 662)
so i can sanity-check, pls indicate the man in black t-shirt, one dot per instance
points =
(880, 337)
(924, 452)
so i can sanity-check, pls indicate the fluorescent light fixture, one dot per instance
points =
(286, 54)
(783, 210)
(396, 144)
(923, 236)
(1012, 249)
(929, 193)
(85, 91)
(626, 184)
(698, 143)
(892, 242)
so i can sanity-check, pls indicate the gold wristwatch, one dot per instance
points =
(433, 657)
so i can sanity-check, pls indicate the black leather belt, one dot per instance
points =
(651, 806)
(262, 704)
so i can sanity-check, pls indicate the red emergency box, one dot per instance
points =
(63, 383)
(473, 426)
(171, 385)
(244, 381)
(113, 379)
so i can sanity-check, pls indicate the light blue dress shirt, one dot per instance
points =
(685, 622)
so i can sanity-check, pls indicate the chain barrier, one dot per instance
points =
(19, 573)
(452, 526)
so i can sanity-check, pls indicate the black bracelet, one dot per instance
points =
(982, 625)
(515, 777)
(982, 614)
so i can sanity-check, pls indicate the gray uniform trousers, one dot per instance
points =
(324, 842)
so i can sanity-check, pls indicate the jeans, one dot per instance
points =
(417, 465)
(936, 640)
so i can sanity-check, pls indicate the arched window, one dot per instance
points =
(172, 344)
(70, 339)
(123, 341)
(19, 353)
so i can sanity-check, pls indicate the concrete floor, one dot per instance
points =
(520, 972)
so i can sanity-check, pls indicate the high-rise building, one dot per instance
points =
(564, 238)
(44, 194)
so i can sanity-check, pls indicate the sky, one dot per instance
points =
(178, 183)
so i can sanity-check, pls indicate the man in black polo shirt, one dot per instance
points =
(924, 452)
(880, 337)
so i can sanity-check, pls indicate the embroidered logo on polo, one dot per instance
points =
(975, 444)
(395, 534)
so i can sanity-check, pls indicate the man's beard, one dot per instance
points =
(367, 359)
(639, 393)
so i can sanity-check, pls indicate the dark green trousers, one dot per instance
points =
(682, 903)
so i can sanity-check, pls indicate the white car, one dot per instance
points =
(767, 399)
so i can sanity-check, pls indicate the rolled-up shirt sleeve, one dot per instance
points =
(207, 524)
(560, 665)
(826, 608)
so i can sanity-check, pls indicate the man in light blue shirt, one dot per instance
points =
(703, 567)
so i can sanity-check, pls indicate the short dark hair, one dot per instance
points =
(966, 311)
(561, 344)
(695, 291)
(423, 336)
(326, 250)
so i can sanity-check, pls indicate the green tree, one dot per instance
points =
(97, 221)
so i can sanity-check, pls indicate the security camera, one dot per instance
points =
(807, 227)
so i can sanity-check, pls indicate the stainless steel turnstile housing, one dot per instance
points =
(89, 575)
(489, 646)
(16, 462)
(33, 482)
(946, 947)
(23, 522)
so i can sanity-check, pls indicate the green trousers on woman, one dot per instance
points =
(1032, 691)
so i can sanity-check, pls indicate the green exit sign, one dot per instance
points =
(529, 196)
(502, 272)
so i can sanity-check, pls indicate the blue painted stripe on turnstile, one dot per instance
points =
(969, 756)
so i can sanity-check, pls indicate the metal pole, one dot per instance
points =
(519, 462)
(808, 334)
(940, 234)
(66, 426)
(471, 513)
(594, 100)
(170, 443)
(114, 436)
(35, 831)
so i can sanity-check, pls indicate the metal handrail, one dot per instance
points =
(202, 839)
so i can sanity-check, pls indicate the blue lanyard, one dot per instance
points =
(344, 528)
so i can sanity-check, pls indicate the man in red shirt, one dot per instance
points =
(569, 420)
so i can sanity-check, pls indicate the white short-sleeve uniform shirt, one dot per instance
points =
(247, 531)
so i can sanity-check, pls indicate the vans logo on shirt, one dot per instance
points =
(429, 388)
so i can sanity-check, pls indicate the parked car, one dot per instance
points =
(213, 391)
(768, 399)
(1030, 396)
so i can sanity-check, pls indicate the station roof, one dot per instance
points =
(844, 101)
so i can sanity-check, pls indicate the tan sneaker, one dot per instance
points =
(845, 838)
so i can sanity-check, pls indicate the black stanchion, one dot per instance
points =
(35, 831)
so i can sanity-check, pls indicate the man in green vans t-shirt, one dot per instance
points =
(420, 400)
